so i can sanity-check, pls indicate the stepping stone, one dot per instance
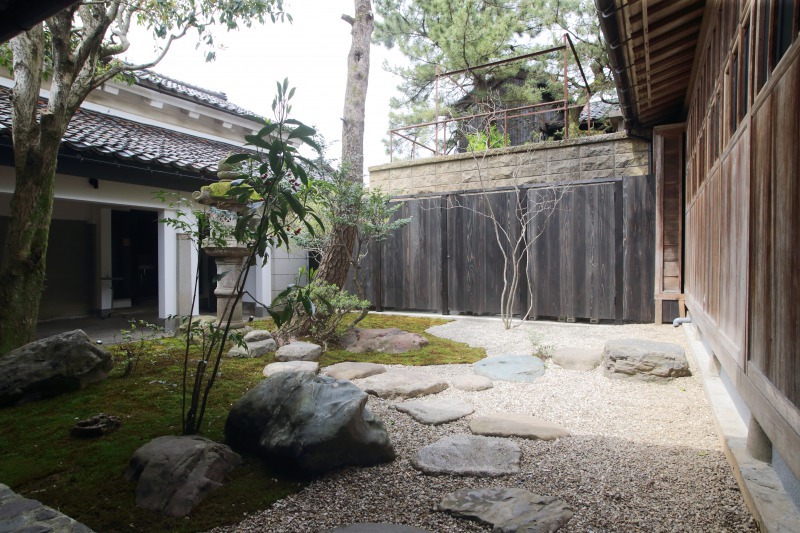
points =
(290, 366)
(257, 335)
(261, 348)
(401, 384)
(471, 383)
(508, 509)
(578, 358)
(525, 368)
(469, 455)
(515, 425)
(350, 371)
(435, 413)
(376, 528)
(298, 351)
(390, 340)
(643, 360)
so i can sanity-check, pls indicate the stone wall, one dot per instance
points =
(585, 158)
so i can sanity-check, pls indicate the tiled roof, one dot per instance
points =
(600, 110)
(165, 84)
(130, 141)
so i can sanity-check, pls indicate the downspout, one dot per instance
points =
(682, 320)
(607, 14)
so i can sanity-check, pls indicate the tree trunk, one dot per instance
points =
(335, 262)
(22, 273)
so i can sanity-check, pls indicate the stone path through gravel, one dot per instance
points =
(642, 456)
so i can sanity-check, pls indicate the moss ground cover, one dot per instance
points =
(84, 478)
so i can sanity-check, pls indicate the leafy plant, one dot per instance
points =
(269, 195)
(481, 140)
(135, 342)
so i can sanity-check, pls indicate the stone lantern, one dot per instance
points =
(231, 257)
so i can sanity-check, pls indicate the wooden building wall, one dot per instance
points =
(742, 211)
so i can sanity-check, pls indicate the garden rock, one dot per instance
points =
(469, 455)
(298, 351)
(390, 340)
(96, 426)
(377, 528)
(349, 371)
(291, 366)
(525, 368)
(578, 358)
(516, 425)
(402, 384)
(23, 515)
(471, 383)
(643, 360)
(435, 413)
(508, 510)
(261, 348)
(174, 474)
(257, 335)
(52, 366)
(316, 422)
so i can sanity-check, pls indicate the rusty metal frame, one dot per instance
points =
(441, 125)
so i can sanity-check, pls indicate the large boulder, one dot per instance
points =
(508, 510)
(174, 474)
(644, 360)
(469, 455)
(316, 422)
(390, 340)
(52, 366)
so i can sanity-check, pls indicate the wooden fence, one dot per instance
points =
(593, 259)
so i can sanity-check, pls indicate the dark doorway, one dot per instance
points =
(208, 269)
(134, 256)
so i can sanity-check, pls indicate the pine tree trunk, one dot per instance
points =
(335, 262)
(22, 272)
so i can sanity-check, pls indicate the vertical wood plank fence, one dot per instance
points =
(593, 258)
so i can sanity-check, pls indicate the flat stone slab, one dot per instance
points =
(389, 340)
(471, 383)
(401, 384)
(376, 528)
(349, 371)
(22, 514)
(643, 360)
(435, 413)
(508, 509)
(516, 425)
(525, 368)
(290, 366)
(578, 358)
(299, 351)
(469, 455)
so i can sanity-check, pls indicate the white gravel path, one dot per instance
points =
(642, 457)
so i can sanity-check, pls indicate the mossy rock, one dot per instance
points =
(220, 190)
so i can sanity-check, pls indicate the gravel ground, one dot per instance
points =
(642, 457)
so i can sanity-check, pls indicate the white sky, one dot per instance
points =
(311, 52)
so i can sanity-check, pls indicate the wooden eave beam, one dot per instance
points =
(691, 16)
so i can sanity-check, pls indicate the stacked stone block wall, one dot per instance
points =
(585, 158)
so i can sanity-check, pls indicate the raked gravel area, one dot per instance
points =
(642, 456)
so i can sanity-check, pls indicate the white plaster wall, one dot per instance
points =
(285, 266)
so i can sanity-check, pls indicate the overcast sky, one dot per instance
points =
(311, 52)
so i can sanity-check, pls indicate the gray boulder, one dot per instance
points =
(508, 510)
(349, 371)
(316, 422)
(257, 335)
(643, 360)
(402, 384)
(290, 366)
(298, 351)
(471, 383)
(510, 367)
(516, 425)
(578, 358)
(261, 348)
(469, 455)
(52, 366)
(435, 413)
(390, 340)
(174, 474)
